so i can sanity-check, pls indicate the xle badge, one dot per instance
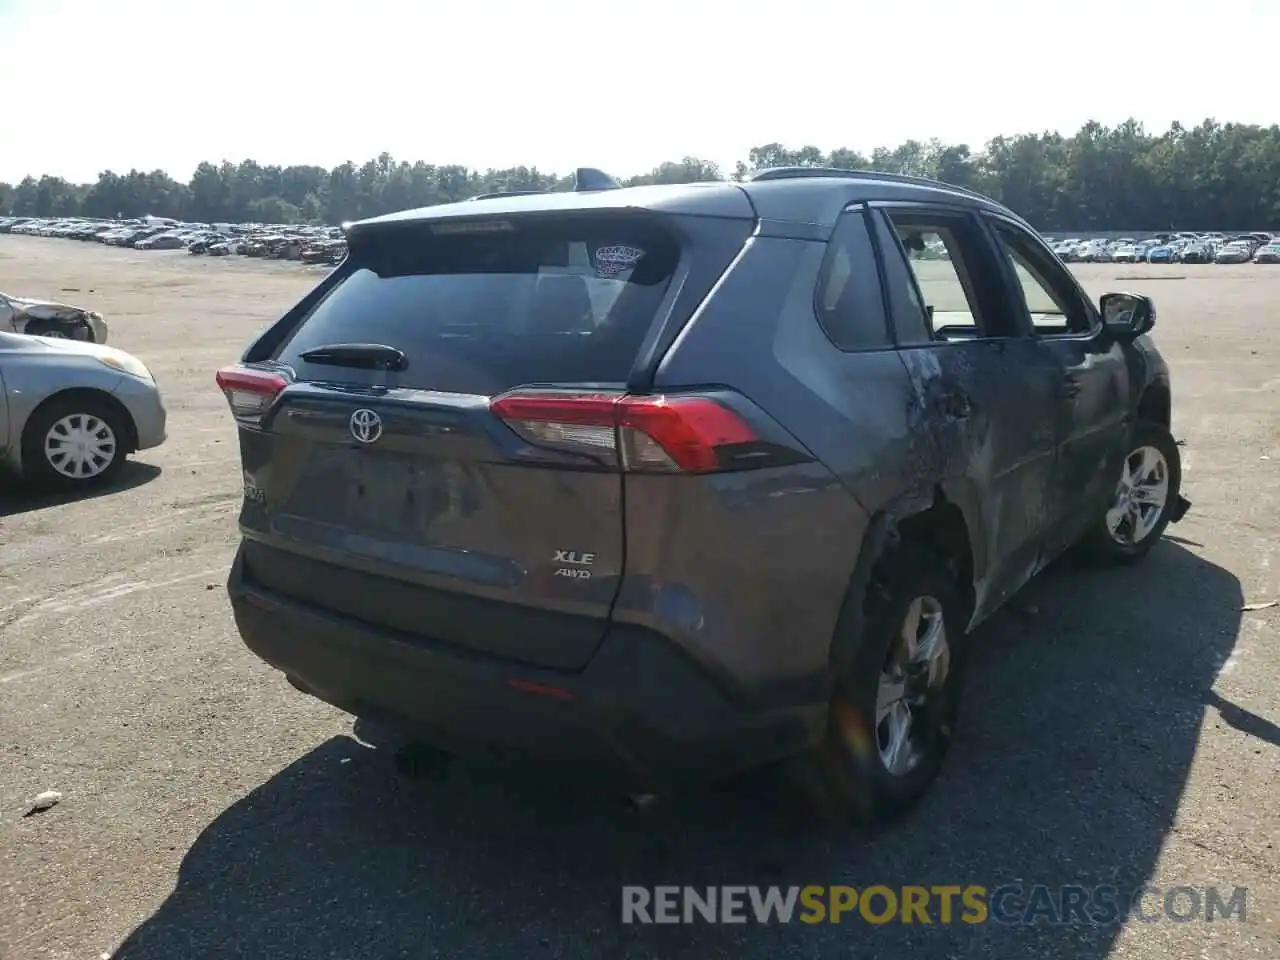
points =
(579, 561)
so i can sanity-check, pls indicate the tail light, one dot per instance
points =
(250, 392)
(689, 434)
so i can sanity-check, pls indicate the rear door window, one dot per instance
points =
(492, 306)
(943, 249)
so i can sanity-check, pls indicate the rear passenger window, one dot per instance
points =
(944, 254)
(488, 308)
(848, 301)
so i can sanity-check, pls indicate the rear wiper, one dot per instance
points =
(368, 356)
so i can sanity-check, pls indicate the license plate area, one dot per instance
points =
(381, 494)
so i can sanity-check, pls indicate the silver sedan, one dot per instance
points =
(70, 411)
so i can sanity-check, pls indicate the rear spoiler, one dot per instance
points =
(594, 190)
(585, 179)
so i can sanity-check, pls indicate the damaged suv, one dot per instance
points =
(659, 483)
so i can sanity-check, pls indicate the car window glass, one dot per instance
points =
(848, 302)
(910, 324)
(548, 301)
(1053, 303)
(944, 277)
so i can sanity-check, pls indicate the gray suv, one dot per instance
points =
(656, 484)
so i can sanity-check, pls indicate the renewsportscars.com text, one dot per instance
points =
(1014, 904)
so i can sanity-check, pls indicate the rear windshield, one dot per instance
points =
(565, 301)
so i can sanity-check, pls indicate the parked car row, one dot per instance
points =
(314, 244)
(305, 243)
(1173, 248)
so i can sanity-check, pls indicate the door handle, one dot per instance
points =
(1070, 387)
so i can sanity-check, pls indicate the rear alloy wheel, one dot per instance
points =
(892, 716)
(1145, 497)
(79, 441)
(914, 671)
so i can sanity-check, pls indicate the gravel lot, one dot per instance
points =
(1122, 726)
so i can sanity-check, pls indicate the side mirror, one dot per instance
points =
(1127, 315)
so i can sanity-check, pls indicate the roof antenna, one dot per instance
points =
(589, 178)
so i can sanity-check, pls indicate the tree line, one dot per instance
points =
(1212, 176)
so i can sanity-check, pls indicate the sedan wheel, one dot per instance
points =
(80, 446)
(59, 330)
(75, 440)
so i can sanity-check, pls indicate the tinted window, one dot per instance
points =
(848, 302)
(567, 301)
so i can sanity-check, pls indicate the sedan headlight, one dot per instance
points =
(126, 363)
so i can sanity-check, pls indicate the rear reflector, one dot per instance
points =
(250, 392)
(541, 689)
(641, 433)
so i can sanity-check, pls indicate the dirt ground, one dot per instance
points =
(1122, 727)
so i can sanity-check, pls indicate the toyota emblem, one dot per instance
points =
(366, 425)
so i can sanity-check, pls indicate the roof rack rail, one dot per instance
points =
(796, 173)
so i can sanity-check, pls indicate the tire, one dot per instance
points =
(105, 429)
(850, 767)
(1121, 546)
(60, 330)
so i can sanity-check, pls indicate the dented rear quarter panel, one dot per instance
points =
(799, 545)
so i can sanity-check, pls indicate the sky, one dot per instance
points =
(557, 84)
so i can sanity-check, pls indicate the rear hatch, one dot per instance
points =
(436, 446)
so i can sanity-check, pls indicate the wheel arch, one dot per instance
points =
(943, 518)
(1156, 404)
(85, 395)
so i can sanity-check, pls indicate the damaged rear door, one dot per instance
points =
(988, 394)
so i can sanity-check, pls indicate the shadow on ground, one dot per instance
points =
(1081, 724)
(18, 496)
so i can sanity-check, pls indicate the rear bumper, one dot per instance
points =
(640, 717)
